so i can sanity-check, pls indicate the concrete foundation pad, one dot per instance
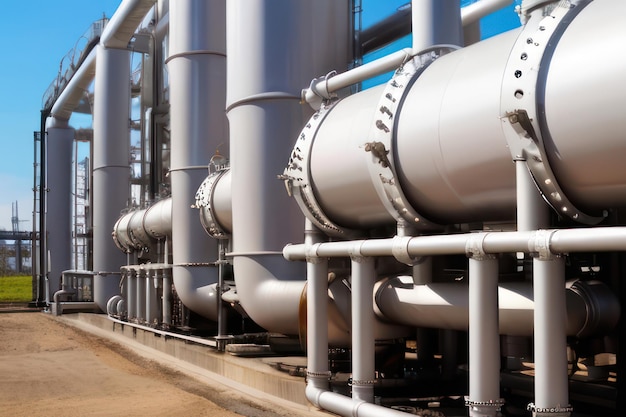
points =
(256, 377)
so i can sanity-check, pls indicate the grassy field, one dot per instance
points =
(17, 289)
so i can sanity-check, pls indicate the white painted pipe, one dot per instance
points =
(124, 22)
(111, 170)
(451, 179)
(484, 337)
(424, 37)
(76, 88)
(196, 65)
(435, 22)
(550, 352)
(363, 343)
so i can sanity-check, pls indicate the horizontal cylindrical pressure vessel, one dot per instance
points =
(450, 154)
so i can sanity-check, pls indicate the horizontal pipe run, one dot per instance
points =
(324, 87)
(74, 91)
(124, 22)
(599, 239)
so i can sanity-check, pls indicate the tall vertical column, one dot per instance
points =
(275, 48)
(59, 201)
(111, 172)
(197, 69)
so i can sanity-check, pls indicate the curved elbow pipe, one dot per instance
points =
(196, 286)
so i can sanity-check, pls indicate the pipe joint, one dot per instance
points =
(539, 245)
(318, 91)
(400, 250)
(355, 252)
(475, 249)
(311, 254)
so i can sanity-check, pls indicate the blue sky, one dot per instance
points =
(34, 37)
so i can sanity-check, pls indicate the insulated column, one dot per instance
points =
(197, 69)
(275, 48)
(59, 198)
(111, 172)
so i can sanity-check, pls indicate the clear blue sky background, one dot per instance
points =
(34, 37)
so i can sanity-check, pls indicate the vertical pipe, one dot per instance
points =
(141, 295)
(363, 343)
(167, 297)
(436, 22)
(532, 210)
(197, 69)
(60, 137)
(551, 379)
(111, 170)
(131, 293)
(221, 308)
(484, 337)
(318, 373)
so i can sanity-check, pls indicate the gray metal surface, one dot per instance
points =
(196, 66)
(111, 172)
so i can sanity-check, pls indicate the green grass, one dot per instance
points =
(17, 289)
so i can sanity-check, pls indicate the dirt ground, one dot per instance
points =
(48, 368)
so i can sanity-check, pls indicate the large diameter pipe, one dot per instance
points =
(76, 88)
(590, 309)
(59, 201)
(111, 170)
(450, 152)
(197, 68)
(124, 22)
(270, 57)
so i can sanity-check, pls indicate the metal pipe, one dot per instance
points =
(196, 65)
(550, 341)
(318, 372)
(60, 137)
(265, 114)
(131, 295)
(124, 22)
(425, 36)
(111, 170)
(363, 372)
(484, 340)
(75, 89)
(449, 179)
(532, 210)
(167, 296)
(435, 22)
(140, 281)
(597, 239)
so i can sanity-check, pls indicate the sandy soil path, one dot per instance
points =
(48, 368)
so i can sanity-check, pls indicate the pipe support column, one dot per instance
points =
(551, 374)
(167, 296)
(318, 373)
(484, 338)
(363, 343)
